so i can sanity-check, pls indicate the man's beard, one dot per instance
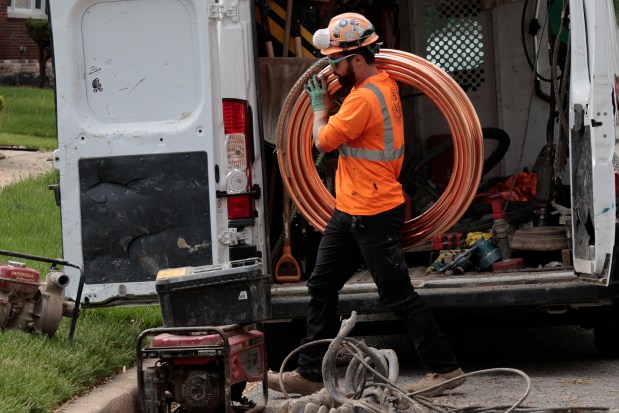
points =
(347, 80)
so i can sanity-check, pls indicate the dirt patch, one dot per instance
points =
(17, 165)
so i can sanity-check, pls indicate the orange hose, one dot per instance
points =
(310, 195)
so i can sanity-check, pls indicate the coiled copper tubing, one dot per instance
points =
(306, 189)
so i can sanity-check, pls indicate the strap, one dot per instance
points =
(388, 153)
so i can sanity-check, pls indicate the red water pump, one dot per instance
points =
(28, 304)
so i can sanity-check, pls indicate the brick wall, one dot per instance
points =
(12, 35)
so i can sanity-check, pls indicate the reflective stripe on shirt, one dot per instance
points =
(388, 153)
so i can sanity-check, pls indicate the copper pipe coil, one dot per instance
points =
(306, 189)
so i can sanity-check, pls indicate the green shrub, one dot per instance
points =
(39, 31)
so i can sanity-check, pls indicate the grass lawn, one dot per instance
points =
(39, 373)
(29, 118)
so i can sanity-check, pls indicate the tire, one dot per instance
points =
(281, 339)
(606, 331)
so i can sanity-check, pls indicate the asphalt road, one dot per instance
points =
(561, 362)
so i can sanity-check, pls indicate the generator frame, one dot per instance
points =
(223, 351)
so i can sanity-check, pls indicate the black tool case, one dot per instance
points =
(214, 295)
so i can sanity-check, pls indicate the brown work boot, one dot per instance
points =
(293, 383)
(432, 379)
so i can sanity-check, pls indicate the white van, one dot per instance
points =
(165, 152)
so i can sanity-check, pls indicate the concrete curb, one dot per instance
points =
(119, 395)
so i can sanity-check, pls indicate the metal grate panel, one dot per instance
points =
(455, 40)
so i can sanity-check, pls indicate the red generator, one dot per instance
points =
(211, 344)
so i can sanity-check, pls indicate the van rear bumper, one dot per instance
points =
(451, 299)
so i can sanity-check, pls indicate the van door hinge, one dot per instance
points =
(579, 117)
(220, 9)
(232, 236)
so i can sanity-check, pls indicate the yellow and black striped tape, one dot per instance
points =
(277, 24)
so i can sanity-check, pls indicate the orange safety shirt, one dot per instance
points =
(368, 130)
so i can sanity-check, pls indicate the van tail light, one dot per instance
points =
(240, 207)
(237, 123)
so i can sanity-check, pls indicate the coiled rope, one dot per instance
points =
(306, 189)
(370, 384)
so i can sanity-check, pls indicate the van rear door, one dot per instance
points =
(138, 108)
(593, 129)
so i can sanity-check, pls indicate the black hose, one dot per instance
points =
(502, 138)
(515, 214)
(524, 44)
(412, 167)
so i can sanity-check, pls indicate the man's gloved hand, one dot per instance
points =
(317, 91)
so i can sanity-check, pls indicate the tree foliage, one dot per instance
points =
(38, 30)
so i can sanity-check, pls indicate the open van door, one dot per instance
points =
(593, 128)
(139, 112)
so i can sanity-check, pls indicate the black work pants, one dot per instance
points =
(377, 239)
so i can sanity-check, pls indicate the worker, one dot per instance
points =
(368, 218)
